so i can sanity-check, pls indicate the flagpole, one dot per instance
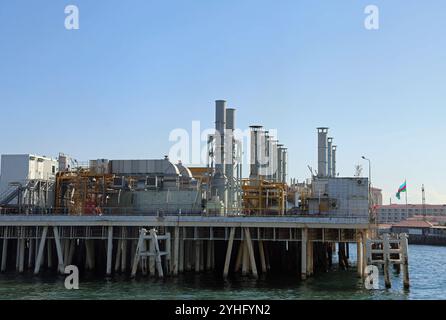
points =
(407, 207)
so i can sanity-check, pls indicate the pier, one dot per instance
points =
(252, 245)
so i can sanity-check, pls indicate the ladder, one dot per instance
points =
(142, 253)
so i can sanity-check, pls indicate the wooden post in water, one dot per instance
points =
(386, 246)
(245, 259)
(404, 245)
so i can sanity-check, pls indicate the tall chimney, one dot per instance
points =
(322, 152)
(230, 154)
(279, 165)
(220, 126)
(256, 132)
(219, 179)
(333, 159)
(329, 156)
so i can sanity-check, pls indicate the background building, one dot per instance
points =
(398, 212)
(377, 196)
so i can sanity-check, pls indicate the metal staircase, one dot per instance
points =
(10, 194)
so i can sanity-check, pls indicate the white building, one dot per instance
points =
(398, 212)
(19, 169)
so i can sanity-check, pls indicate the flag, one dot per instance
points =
(402, 188)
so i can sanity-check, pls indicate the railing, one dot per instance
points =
(130, 211)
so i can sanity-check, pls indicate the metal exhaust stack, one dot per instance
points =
(219, 178)
(329, 158)
(256, 132)
(322, 152)
(230, 154)
(284, 164)
(333, 159)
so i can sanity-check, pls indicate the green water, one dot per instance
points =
(427, 272)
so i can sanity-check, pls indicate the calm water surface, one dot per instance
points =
(427, 272)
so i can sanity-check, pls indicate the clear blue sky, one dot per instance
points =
(138, 69)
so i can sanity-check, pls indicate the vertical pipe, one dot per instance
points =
(4, 251)
(124, 255)
(71, 251)
(333, 160)
(262, 256)
(181, 256)
(30, 253)
(329, 156)
(228, 253)
(209, 254)
(251, 253)
(118, 255)
(109, 250)
(49, 253)
(245, 259)
(303, 266)
(238, 259)
(168, 256)
(197, 256)
(40, 251)
(176, 250)
(188, 254)
(61, 265)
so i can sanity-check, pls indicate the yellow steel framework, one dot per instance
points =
(262, 197)
(81, 192)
